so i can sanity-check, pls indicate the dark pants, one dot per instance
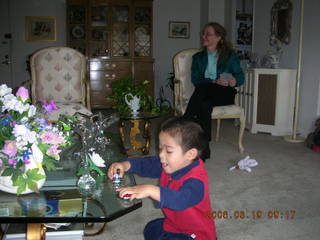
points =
(204, 98)
(154, 231)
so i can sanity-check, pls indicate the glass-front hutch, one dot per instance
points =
(116, 37)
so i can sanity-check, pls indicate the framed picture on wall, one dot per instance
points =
(179, 29)
(40, 29)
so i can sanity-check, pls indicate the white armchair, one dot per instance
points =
(183, 89)
(59, 73)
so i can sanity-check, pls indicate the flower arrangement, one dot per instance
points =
(24, 133)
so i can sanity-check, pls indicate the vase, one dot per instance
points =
(35, 162)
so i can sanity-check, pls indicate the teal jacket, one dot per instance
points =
(200, 62)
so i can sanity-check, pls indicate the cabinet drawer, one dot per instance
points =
(99, 100)
(112, 65)
(108, 76)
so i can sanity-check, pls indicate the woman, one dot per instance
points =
(215, 72)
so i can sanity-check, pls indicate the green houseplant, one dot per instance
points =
(124, 86)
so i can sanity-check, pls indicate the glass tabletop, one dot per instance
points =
(139, 116)
(59, 201)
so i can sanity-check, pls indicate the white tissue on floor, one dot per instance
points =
(245, 164)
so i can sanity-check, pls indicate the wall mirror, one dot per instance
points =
(281, 17)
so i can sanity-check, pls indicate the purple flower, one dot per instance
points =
(12, 161)
(10, 148)
(48, 106)
(43, 123)
(23, 93)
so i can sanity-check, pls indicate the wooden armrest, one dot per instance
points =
(27, 83)
(176, 81)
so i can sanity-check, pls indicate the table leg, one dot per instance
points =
(121, 129)
(36, 231)
(146, 134)
(134, 131)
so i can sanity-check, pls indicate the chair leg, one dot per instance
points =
(218, 130)
(241, 131)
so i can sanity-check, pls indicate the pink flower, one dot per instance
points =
(52, 138)
(10, 148)
(53, 151)
(23, 93)
(12, 161)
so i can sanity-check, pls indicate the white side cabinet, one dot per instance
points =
(268, 97)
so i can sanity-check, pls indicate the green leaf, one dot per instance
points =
(33, 186)
(7, 172)
(49, 163)
(21, 183)
(34, 175)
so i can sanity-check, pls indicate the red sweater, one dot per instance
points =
(193, 220)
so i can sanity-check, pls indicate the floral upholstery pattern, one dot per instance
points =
(227, 110)
(59, 73)
(184, 88)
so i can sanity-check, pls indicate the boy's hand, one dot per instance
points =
(123, 166)
(141, 191)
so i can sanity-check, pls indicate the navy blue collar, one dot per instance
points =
(181, 172)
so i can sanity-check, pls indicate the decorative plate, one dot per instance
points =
(78, 32)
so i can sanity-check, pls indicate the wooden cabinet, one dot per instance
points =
(268, 99)
(116, 37)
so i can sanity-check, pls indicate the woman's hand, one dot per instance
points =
(226, 82)
(141, 191)
(123, 166)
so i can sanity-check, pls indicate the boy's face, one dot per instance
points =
(171, 154)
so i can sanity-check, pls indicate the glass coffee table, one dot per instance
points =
(60, 201)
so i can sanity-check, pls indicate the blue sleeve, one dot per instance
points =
(145, 166)
(190, 194)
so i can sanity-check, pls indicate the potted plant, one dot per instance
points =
(126, 86)
(28, 143)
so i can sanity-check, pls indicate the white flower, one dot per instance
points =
(31, 136)
(97, 160)
(20, 107)
(24, 135)
(32, 111)
(4, 90)
(24, 120)
(19, 130)
(9, 102)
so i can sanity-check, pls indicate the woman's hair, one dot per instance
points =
(187, 133)
(224, 47)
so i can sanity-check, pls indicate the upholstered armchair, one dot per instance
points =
(183, 89)
(59, 73)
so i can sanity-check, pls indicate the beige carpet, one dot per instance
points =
(286, 179)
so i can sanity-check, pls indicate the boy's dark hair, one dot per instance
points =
(187, 133)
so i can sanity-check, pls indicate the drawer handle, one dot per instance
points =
(114, 65)
(107, 75)
(113, 76)
(107, 65)
(107, 85)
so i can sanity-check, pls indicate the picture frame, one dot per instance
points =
(179, 29)
(40, 29)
